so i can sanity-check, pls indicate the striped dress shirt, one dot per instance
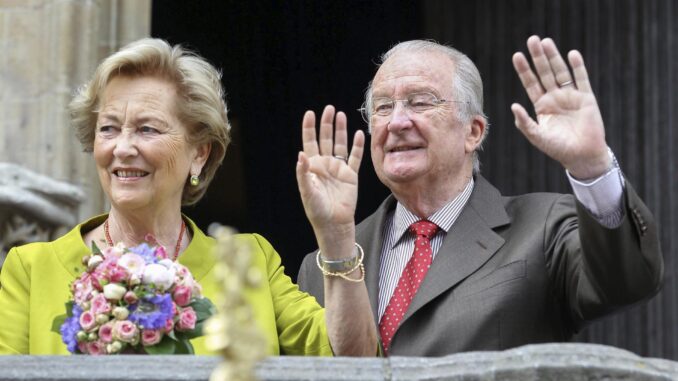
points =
(398, 241)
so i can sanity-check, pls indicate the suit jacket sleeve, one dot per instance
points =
(600, 270)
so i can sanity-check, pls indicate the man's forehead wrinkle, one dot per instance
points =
(425, 70)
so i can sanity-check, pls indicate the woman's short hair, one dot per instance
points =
(201, 105)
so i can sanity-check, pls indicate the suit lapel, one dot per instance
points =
(468, 245)
(369, 236)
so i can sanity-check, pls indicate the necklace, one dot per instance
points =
(176, 249)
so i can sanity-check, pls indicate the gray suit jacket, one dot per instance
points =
(515, 270)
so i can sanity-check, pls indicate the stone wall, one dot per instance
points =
(49, 48)
(562, 362)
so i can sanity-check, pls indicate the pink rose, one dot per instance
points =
(125, 331)
(161, 253)
(132, 263)
(82, 347)
(118, 275)
(187, 319)
(82, 288)
(151, 336)
(96, 348)
(106, 332)
(100, 305)
(169, 325)
(130, 297)
(88, 321)
(182, 295)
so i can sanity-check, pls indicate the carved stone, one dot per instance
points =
(34, 207)
(49, 48)
(563, 362)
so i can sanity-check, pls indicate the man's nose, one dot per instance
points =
(400, 118)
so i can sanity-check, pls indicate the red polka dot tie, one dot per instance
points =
(409, 282)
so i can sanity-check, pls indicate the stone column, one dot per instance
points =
(49, 48)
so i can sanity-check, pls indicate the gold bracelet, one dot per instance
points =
(344, 275)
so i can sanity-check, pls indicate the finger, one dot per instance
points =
(527, 77)
(560, 70)
(326, 130)
(541, 63)
(581, 77)
(301, 170)
(525, 124)
(340, 138)
(357, 151)
(308, 140)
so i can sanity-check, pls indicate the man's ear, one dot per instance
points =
(475, 133)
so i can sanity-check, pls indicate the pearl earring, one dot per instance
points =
(195, 180)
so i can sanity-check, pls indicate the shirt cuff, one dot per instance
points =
(602, 196)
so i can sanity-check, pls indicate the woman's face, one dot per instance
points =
(140, 147)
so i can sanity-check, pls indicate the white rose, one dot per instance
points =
(94, 261)
(168, 263)
(114, 291)
(159, 275)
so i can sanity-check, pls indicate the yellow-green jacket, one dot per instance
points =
(35, 279)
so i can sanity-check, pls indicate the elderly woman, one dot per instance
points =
(155, 120)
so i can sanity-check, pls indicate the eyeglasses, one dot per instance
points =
(417, 102)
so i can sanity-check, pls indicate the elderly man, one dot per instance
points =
(452, 265)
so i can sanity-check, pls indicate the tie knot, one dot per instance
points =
(424, 228)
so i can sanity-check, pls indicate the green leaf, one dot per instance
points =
(184, 347)
(95, 248)
(58, 322)
(69, 308)
(172, 335)
(203, 308)
(192, 334)
(166, 346)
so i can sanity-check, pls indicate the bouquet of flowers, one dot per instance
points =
(133, 300)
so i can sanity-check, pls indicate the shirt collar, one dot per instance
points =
(443, 217)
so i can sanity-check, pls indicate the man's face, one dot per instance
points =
(418, 149)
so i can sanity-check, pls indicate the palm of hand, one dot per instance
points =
(327, 172)
(570, 126)
(331, 193)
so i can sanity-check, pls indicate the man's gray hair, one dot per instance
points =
(467, 86)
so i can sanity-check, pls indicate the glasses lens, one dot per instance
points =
(382, 106)
(420, 102)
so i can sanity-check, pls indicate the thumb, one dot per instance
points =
(525, 123)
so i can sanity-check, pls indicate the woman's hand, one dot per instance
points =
(327, 176)
(569, 127)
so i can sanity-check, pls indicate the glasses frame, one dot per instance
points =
(367, 114)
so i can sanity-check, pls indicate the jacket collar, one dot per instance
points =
(469, 243)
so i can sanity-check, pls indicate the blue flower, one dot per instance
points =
(146, 252)
(152, 312)
(69, 329)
